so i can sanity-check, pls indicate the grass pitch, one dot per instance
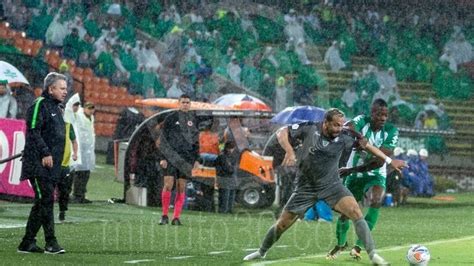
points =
(111, 234)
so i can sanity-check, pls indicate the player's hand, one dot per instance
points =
(289, 160)
(47, 161)
(398, 165)
(362, 143)
(163, 164)
(196, 164)
(345, 171)
(74, 157)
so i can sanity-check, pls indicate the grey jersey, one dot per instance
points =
(319, 157)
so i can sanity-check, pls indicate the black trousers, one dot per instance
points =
(64, 188)
(41, 214)
(80, 179)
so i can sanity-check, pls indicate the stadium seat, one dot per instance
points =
(71, 63)
(54, 62)
(3, 33)
(29, 43)
(20, 42)
(123, 90)
(89, 72)
(104, 81)
(78, 87)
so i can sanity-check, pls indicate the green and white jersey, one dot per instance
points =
(387, 137)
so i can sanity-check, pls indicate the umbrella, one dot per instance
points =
(298, 114)
(242, 101)
(11, 73)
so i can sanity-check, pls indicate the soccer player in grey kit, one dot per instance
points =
(318, 177)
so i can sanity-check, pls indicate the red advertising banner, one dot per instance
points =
(12, 141)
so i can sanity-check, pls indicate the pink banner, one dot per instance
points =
(12, 141)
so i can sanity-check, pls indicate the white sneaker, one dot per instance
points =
(254, 256)
(377, 260)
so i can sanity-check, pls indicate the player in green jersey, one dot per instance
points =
(365, 174)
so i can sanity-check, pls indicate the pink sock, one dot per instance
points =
(165, 201)
(178, 204)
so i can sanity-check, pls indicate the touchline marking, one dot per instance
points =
(8, 226)
(137, 261)
(218, 252)
(180, 257)
(394, 248)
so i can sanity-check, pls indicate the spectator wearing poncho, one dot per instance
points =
(301, 52)
(247, 25)
(152, 61)
(294, 30)
(333, 58)
(461, 50)
(387, 79)
(191, 52)
(448, 58)
(234, 70)
(8, 104)
(174, 91)
(349, 97)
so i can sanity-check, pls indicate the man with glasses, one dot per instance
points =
(179, 145)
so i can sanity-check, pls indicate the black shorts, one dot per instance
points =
(170, 170)
(304, 197)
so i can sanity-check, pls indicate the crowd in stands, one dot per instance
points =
(164, 50)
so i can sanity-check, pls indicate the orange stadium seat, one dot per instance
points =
(71, 63)
(86, 78)
(19, 42)
(123, 90)
(77, 87)
(29, 43)
(89, 72)
(104, 81)
(79, 70)
(98, 129)
(3, 33)
(54, 62)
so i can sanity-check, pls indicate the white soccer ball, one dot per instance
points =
(418, 255)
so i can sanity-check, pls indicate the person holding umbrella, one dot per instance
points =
(8, 104)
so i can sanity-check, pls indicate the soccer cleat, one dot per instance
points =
(54, 248)
(29, 247)
(255, 256)
(62, 216)
(356, 253)
(379, 261)
(164, 220)
(86, 201)
(176, 221)
(333, 253)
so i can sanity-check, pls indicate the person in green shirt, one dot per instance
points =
(72, 44)
(365, 175)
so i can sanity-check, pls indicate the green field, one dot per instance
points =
(104, 233)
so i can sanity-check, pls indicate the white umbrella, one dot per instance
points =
(11, 73)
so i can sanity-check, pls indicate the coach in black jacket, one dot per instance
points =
(44, 149)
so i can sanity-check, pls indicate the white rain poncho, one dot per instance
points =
(333, 58)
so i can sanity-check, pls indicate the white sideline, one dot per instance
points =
(436, 242)
(137, 261)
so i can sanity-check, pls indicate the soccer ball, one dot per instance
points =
(418, 255)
